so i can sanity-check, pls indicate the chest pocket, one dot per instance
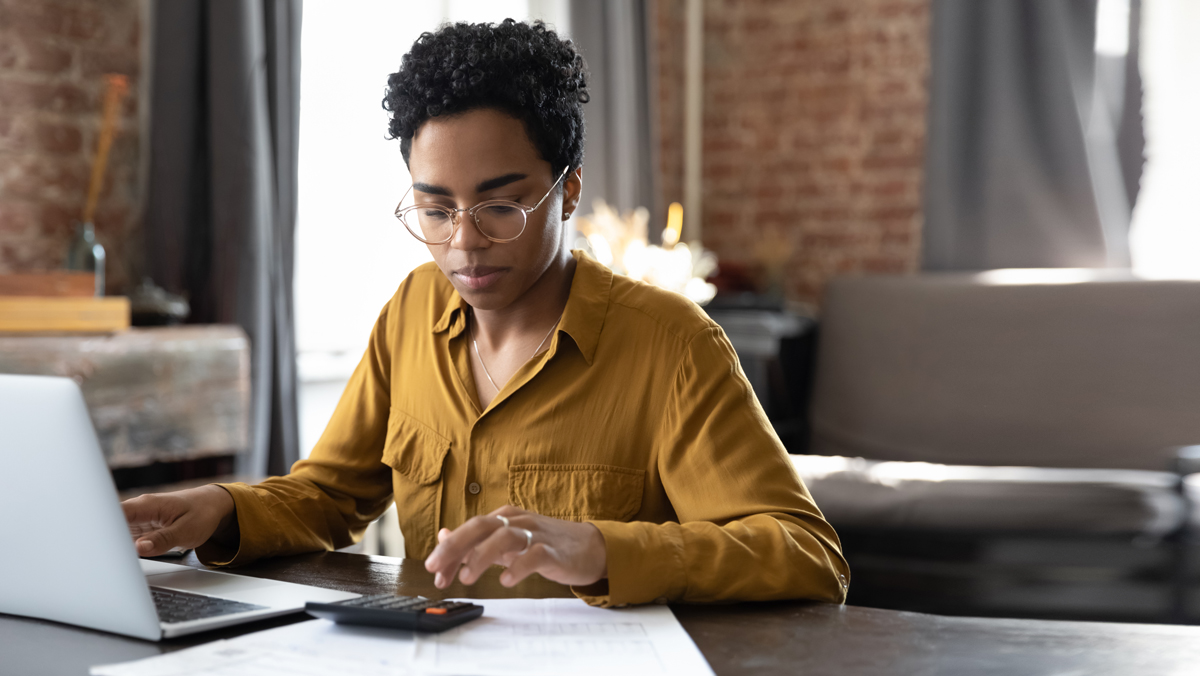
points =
(414, 450)
(577, 492)
(417, 454)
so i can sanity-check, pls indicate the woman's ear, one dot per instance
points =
(572, 187)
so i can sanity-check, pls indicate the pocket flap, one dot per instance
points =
(577, 492)
(414, 450)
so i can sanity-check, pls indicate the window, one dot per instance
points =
(1165, 233)
(351, 253)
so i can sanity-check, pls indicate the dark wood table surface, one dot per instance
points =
(745, 638)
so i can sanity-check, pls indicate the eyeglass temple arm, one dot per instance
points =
(560, 178)
(404, 197)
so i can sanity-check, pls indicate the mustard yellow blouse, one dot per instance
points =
(637, 419)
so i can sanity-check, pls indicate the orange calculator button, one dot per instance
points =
(436, 611)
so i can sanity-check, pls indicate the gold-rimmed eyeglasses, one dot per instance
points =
(499, 220)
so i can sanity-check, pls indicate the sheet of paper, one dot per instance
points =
(316, 648)
(562, 636)
(515, 636)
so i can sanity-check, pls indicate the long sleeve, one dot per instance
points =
(328, 499)
(747, 527)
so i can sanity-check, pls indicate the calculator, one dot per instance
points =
(414, 613)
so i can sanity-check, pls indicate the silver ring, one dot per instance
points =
(503, 520)
(528, 541)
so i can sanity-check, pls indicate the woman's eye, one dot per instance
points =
(500, 209)
(432, 214)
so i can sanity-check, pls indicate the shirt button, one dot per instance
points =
(473, 488)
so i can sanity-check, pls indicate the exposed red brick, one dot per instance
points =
(18, 217)
(7, 121)
(890, 188)
(43, 96)
(892, 212)
(911, 162)
(57, 221)
(77, 20)
(43, 178)
(101, 61)
(52, 58)
(814, 126)
(36, 55)
(59, 139)
(10, 54)
(831, 241)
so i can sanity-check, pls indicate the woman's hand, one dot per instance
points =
(160, 521)
(564, 551)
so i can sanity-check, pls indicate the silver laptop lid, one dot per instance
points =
(68, 556)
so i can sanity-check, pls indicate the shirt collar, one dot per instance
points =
(583, 317)
(454, 317)
(587, 306)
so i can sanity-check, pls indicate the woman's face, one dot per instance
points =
(461, 160)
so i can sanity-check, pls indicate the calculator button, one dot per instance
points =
(436, 611)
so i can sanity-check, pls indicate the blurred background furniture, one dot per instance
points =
(1003, 443)
(61, 301)
(169, 404)
(775, 348)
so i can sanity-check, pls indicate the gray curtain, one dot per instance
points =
(221, 211)
(1023, 165)
(619, 152)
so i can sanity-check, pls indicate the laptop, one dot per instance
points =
(68, 555)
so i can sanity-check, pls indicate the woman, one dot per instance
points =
(521, 404)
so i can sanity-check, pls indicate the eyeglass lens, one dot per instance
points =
(497, 221)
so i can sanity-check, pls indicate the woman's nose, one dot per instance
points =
(466, 233)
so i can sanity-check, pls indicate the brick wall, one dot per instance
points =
(53, 56)
(814, 125)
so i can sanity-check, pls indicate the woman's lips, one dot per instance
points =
(479, 277)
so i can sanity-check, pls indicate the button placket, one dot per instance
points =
(474, 488)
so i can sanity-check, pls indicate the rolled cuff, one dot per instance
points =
(645, 564)
(255, 526)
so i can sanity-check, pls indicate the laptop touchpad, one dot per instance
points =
(238, 587)
(208, 582)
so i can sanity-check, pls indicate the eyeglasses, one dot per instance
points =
(499, 220)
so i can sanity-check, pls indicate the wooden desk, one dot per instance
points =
(745, 638)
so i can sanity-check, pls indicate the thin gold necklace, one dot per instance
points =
(480, 357)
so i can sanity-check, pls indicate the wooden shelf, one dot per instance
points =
(63, 314)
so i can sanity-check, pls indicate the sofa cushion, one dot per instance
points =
(1191, 487)
(858, 493)
(988, 369)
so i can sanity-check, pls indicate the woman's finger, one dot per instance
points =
(499, 548)
(157, 542)
(143, 511)
(539, 559)
(456, 546)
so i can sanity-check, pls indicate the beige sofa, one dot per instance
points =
(1036, 402)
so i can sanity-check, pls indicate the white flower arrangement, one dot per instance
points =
(621, 243)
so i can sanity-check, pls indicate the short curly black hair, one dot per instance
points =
(524, 70)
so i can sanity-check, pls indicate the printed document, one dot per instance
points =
(514, 636)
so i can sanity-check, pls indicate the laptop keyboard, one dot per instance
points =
(177, 606)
